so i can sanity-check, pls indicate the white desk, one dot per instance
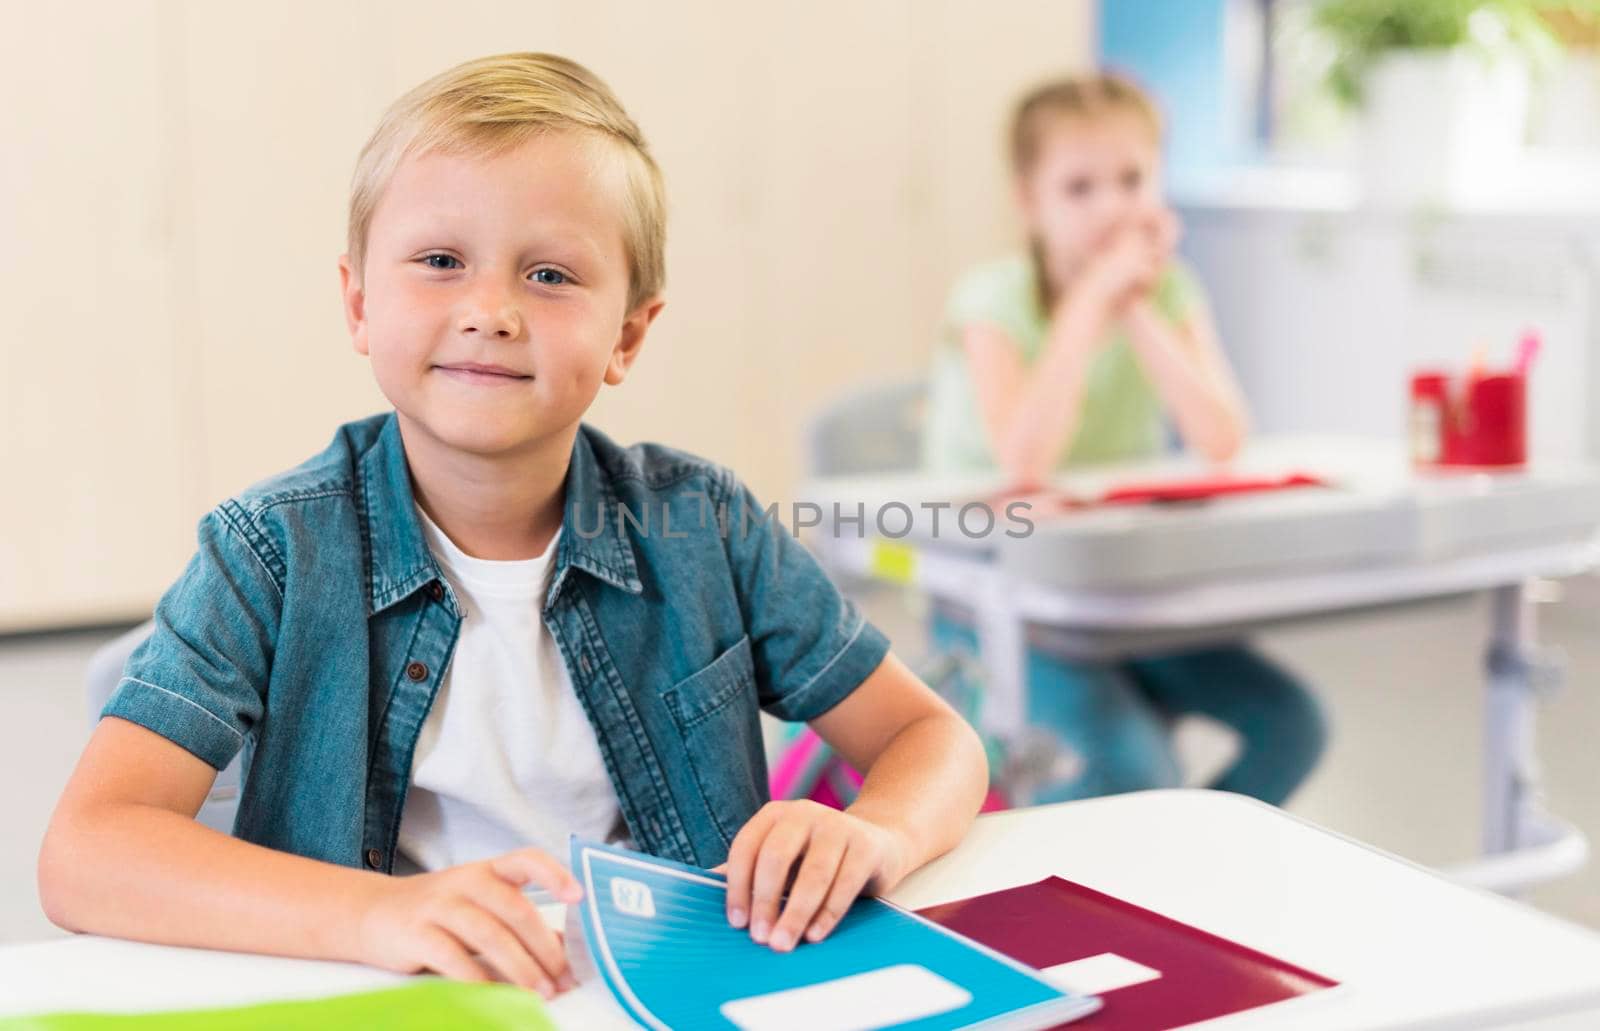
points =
(1124, 579)
(1410, 948)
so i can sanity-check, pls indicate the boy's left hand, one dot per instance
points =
(832, 856)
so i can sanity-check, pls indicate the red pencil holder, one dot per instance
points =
(1479, 420)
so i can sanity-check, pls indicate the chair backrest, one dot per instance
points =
(102, 677)
(871, 429)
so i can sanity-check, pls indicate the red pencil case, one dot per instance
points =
(1479, 420)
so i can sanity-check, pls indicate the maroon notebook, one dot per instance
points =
(1202, 976)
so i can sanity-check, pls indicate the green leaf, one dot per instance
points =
(1362, 31)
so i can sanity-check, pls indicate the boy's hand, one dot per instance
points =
(831, 856)
(438, 921)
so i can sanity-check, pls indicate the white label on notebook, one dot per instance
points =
(1096, 975)
(877, 998)
(632, 898)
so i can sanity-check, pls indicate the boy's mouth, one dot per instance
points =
(474, 372)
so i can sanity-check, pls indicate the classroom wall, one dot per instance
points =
(172, 194)
(1201, 60)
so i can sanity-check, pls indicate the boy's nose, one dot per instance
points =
(499, 320)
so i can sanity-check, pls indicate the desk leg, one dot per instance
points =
(1510, 770)
(1002, 645)
(1522, 844)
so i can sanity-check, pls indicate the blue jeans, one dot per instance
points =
(1103, 728)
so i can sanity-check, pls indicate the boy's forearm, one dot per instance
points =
(927, 785)
(141, 872)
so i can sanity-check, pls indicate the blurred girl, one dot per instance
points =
(1075, 352)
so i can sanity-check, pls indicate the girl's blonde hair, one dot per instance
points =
(1073, 98)
(493, 104)
(1082, 97)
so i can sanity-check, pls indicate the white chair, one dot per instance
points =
(103, 675)
(869, 430)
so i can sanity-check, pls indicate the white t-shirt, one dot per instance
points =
(506, 757)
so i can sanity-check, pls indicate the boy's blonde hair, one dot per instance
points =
(495, 103)
(1085, 97)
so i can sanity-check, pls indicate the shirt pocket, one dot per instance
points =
(718, 719)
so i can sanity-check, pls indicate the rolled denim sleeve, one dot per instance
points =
(810, 644)
(200, 678)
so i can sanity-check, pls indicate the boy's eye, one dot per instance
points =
(1079, 186)
(440, 261)
(549, 277)
(1132, 179)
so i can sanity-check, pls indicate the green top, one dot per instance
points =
(1121, 416)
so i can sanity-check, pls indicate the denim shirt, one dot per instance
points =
(312, 629)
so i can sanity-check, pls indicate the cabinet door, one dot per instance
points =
(97, 433)
(273, 126)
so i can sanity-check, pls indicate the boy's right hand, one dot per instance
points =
(438, 921)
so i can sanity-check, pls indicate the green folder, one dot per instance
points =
(427, 1004)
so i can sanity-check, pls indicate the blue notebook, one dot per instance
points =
(658, 933)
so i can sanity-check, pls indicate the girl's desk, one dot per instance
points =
(1132, 578)
(1411, 949)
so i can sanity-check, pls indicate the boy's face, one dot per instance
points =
(1090, 178)
(493, 302)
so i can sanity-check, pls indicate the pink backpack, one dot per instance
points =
(808, 768)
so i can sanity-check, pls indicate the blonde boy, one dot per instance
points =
(437, 658)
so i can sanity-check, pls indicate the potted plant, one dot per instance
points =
(1566, 111)
(1444, 88)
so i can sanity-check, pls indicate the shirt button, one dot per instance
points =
(436, 590)
(375, 859)
(417, 671)
(584, 663)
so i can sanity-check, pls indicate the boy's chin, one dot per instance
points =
(486, 434)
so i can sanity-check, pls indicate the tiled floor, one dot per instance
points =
(1403, 773)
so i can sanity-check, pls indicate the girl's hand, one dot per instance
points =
(1163, 228)
(1127, 266)
(831, 857)
(438, 921)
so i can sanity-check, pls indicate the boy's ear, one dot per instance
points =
(355, 304)
(631, 338)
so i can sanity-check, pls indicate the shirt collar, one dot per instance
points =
(605, 553)
(403, 564)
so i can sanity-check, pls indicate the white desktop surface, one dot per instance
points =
(1410, 948)
(1381, 525)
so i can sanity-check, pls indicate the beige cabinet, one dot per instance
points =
(172, 197)
(92, 382)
